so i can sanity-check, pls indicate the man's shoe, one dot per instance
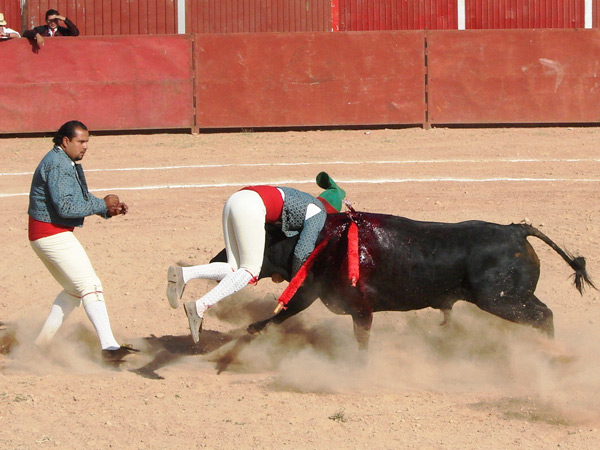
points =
(175, 286)
(194, 319)
(117, 355)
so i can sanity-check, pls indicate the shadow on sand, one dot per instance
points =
(164, 350)
(168, 349)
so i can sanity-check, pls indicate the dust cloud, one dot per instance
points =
(552, 380)
(75, 348)
(409, 351)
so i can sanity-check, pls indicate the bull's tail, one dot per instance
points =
(577, 263)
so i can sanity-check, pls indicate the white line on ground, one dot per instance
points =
(341, 181)
(330, 163)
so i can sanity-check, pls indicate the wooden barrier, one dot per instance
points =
(309, 79)
(109, 83)
(516, 76)
(255, 80)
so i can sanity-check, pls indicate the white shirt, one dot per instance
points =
(8, 31)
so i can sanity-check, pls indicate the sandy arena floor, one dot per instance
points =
(480, 383)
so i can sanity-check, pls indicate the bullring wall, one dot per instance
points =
(302, 79)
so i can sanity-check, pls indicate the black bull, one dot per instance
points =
(408, 265)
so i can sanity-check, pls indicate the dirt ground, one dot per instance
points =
(478, 383)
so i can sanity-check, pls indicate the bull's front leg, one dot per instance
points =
(362, 321)
(304, 297)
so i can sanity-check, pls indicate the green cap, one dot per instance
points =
(333, 195)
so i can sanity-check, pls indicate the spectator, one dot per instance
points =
(5, 32)
(52, 28)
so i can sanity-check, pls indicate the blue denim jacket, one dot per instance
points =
(59, 192)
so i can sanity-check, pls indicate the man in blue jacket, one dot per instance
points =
(59, 200)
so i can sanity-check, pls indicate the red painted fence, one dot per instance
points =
(124, 17)
(109, 83)
(497, 14)
(302, 79)
(516, 76)
(250, 16)
(358, 15)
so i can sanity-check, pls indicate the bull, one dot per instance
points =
(410, 265)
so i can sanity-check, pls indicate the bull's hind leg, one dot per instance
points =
(527, 311)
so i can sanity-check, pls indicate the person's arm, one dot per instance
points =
(71, 27)
(308, 237)
(30, 34)
(9, 33)
(36, 34)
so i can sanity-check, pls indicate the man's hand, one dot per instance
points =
(39, 39)
(56, 16)
(114, 206)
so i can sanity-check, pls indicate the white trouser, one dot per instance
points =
(244, 231)
(68, 263)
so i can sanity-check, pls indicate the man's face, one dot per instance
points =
(75, 148)
(52, 21)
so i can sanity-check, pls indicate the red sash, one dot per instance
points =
(38, 230)
(272, 199)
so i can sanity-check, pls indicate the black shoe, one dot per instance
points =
(116, 356)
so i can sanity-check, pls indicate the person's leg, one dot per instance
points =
(178, 277)
(69, 264)
(60, 310)
(213, 271)
(244, 232)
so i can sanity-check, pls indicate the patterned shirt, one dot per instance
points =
(59, 192)
(293, 221)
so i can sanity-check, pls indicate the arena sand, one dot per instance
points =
(478, 383)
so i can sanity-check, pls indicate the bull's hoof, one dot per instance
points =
(255, 328)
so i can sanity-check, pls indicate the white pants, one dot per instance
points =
(244, 231)
(67, 261)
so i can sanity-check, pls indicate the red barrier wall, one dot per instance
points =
(12, 13)
(109, 83)
(252, 16)
(110, 17)
(517, 76)
(303, 79)
(496, 14)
